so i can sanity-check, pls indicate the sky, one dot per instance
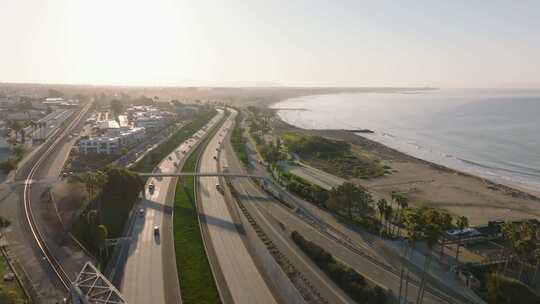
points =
(294, 43)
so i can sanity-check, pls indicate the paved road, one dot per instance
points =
(283, 221)
(150, 270)
(316, 176)
(244, 281)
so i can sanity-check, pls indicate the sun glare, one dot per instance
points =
(130, 40)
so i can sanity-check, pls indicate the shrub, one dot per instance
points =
(353, 283)
(7, 165)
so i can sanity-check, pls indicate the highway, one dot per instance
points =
(149, 274)
(244, 282)
(278, 222)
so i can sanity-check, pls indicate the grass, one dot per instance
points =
(239, 142)
(10, 292)
(196, 279)
(334, 156)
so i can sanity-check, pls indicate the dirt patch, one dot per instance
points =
(68, 197)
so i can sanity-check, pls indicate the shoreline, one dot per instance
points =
(506, 201)
(434, 165)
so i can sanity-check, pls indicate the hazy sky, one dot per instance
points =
(295, 42)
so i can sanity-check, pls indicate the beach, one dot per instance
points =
(435, 185)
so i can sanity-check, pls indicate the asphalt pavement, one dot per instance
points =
(243, 279)
(149, 274)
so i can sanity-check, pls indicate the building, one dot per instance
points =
(131, 136)
(123, 122)
(112, 143)
(150, 122)
(100, 145)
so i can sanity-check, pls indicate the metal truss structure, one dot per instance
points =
(92, 287)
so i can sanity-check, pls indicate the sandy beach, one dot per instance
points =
(432, 185)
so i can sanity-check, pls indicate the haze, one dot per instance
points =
(294, 43)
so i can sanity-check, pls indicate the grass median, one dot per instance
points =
(196, 279)
(152, 159)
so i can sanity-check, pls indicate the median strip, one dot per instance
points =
(197, 282)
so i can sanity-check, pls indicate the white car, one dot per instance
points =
(141, 212)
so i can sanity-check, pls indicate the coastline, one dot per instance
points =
(436, 185)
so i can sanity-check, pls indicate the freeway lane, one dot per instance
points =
(149, 274)
(244, 281)
(271, 215)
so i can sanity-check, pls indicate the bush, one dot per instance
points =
(7, 165)
(238, 141)
(4, 222)
(502, 290)
(353, 283)
(304, 189)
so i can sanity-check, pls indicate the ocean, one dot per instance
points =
(493, 133)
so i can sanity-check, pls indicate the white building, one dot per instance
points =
(100, 145)
(123, 122)
(112, 144)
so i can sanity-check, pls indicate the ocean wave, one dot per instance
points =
(491, 167)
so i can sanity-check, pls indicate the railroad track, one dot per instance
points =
(30, 218)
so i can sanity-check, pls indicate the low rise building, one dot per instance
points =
(100, 145)
(131, 136)
(150, 122)
(112, 143)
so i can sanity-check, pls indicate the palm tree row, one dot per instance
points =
(524, 241)
(18, 128)
(423, 225)
(392, 218)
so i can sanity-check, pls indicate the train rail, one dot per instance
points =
(30, 218)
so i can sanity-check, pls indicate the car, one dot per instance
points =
(156, 230)
(215, 157)
(141, 211)
(151, 188)
(219, 188)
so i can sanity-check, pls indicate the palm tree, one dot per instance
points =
(511, 233)
(413, 223)
(537, 259)
(387, 215)
(33, 126)
(403, 203)
(16, 126)
(381, 206)
(462, 222)
(434, 223)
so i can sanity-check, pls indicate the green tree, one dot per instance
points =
(381, 205)
(462, 222)
(16, 127)
(4, 222)
(351, 200)
(402, 202)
